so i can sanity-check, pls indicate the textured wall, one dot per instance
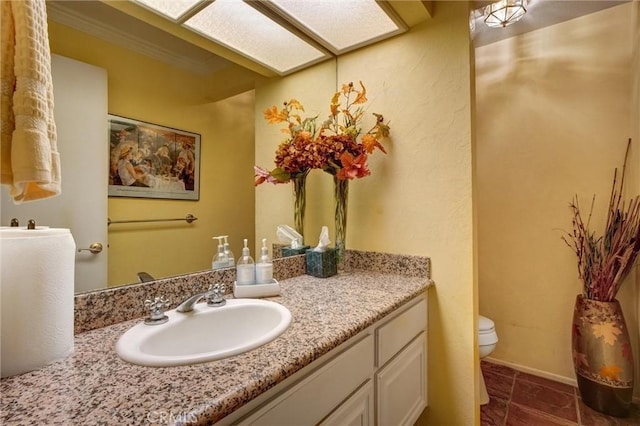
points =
(553, 119)
(418, 199)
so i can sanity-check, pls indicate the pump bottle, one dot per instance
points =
(264, 267)
(246, 268)
(227, 251)
(219, 259)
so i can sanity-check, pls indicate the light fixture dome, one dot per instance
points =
(504, 12)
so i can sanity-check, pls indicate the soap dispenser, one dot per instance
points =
(219, 259)
(227, 251)
(264, 267)
(246, 268)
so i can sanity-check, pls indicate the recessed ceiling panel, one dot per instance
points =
(342, 24)
(173, 9)
(249, 32)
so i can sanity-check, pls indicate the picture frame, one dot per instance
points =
(148, 160)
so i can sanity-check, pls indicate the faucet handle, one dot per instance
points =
(156, 307)
(215, 296)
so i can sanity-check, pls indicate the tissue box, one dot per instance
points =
(288, 251)
(322, 264)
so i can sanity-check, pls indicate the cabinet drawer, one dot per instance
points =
(402, 386)
(395, 334)
(317, 395)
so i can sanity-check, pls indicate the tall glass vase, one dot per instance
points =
(300, 200)
(341, 194)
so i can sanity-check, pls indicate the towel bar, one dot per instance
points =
(189, 219)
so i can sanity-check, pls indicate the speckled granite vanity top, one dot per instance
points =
(94, 386)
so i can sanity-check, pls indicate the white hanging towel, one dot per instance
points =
(29, 159)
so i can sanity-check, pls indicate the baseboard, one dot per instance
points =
(540, 373)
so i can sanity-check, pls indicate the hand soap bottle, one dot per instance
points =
(246, 268)
(264, 267)
(219, 259)
(227, 251)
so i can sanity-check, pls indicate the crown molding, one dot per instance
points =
(112, 34)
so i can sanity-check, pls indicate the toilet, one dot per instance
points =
(487, 340)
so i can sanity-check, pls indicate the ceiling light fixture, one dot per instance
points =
(504, 12)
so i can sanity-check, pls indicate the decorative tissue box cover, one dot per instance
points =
(288, 251)
(322, 264)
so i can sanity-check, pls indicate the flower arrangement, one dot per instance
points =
(338, 146)
(295, 155)
(341, 141)
(605, 261)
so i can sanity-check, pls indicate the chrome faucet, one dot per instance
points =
(214, 297)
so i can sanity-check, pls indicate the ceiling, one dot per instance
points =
(128, 25)
(107, 23)
(540, 13)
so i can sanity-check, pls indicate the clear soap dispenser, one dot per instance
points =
(264, 267)
(220, 258)
(227, 251)
(246, 268)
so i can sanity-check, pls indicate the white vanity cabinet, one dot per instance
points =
(401, 380)
(378, 377)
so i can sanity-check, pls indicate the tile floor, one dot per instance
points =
(521, 399)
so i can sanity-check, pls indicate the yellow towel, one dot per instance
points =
(29, 159)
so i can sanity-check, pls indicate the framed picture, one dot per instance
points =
(152, 161)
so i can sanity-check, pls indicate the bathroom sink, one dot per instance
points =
(204, 334)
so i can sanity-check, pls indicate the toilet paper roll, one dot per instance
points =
(36, 293)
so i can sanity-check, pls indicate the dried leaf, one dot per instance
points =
(273, 115)
(362, 95)
(294, 103)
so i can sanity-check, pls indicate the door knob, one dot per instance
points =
(94, 248)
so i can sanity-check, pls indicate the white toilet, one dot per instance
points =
(487, 340)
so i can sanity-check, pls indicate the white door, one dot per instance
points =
(80, 95)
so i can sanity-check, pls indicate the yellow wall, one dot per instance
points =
(553, 119)
(635, 123)
(313, 87)
(149, 90)
(418, 199)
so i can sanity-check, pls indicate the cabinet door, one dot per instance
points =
(355, 411)
(402, 386)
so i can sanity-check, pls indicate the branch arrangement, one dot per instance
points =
(604, 262)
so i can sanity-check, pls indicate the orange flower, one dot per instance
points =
(353, 167)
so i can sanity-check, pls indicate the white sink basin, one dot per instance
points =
(205, 334)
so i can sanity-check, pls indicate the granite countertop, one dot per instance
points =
(94, 386)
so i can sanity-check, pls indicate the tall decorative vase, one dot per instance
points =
(341, 194)
(300, 201)
(602, 356)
